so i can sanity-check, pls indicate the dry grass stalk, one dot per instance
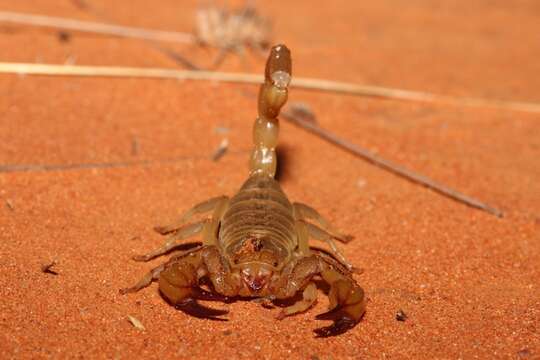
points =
(305, 120)
(221, 150)
(96, 28)
(136, 323)
(301, 83)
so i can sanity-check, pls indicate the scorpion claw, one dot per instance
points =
(202, 294)
(343, 321)
(265, 302)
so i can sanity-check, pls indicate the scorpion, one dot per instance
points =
(256, 243)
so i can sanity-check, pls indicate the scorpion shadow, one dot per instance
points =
(193, 308)
(283, 153)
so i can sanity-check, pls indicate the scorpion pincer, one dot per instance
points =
(255, 244)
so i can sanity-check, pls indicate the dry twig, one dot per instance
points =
(298, 119)
(104, 165)
(96, 28)
(221, 150)
(136, 323)
(301, 83)
(216, 33)
(9, 205)
(225, 30)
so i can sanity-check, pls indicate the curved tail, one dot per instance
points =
(272, 96)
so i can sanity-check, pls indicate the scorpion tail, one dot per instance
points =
(272, 96)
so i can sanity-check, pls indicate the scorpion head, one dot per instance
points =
(256, 275)
(256, 263)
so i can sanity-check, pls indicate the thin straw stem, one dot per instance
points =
(390, 166)
(301, 83)
(94, 27)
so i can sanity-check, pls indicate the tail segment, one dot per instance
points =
(272, 96)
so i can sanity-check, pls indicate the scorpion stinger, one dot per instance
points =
(256, 244)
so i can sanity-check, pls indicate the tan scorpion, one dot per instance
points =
(255, 244)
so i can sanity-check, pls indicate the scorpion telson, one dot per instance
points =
(255, 244)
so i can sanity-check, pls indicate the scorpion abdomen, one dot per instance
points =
(259, 217)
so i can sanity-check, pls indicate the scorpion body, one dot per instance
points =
(255, 244)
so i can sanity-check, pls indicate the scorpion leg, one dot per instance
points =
(208, 227)
(153, 274)
(319, 234)
(210, 234)
(305, 212)
(145, 281)
(172, 241)
(201, 208)
(309, 296)
(303, 237)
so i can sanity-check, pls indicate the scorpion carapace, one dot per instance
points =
(255, 244)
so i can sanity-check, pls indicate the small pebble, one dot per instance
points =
(401, 316)
(9, 205)
(221, 150)
(47, 268)
(136, 323)
(64, 36)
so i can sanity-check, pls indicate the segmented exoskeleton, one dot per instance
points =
(255, 244)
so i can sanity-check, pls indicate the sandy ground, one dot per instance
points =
(468, 281)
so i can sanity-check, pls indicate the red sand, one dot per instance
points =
(468, 281)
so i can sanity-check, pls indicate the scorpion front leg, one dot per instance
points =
(153, 274)
(306, 212)
(208, 227)
(325, 233)
(174, 240)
